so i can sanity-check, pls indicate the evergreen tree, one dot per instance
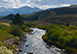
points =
(17, 20)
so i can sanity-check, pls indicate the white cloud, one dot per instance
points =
(54, 6)
(65, 4)
(5, 0)
(47, 6)
(43, 4)
(40, 0)
(28, 1)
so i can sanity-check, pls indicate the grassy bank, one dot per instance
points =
(4, 35)
(62, 36)
(11, 35)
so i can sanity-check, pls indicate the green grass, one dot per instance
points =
(4, 35)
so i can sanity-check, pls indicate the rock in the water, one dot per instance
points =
(27, 45)
(47, 47)
(29, 52)
(20, 50)
(53, 46)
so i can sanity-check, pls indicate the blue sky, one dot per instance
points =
(42, 4)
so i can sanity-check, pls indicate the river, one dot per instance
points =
(36, 45)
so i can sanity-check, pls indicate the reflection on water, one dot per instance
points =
(36, 45)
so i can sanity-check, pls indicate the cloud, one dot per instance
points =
(53, 2)
(43, 4)
(6, 0)
(54, 6)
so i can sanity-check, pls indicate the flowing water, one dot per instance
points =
(36, 45)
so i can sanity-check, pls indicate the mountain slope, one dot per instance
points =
(22, 10)
(53, 12)
(9, 17)
(57, 15)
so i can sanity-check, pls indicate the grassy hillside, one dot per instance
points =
(61, 19)
(4, 29)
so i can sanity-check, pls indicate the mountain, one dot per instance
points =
(55, 16)
(22, 10)
(9, 17)
(2, 9)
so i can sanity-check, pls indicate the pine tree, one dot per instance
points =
(17, 20)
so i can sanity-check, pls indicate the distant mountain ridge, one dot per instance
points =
(55, 16)
(22, 10)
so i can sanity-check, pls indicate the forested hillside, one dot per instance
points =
(57, 15)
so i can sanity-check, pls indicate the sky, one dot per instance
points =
(42, 4)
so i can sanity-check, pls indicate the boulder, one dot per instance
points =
(29, 52)
(47, 47)
(20, 50)
(27, 45)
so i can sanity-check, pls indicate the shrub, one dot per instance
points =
(16, 31)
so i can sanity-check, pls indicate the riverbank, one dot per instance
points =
(19, 44)
(50, 43)
(66, 49)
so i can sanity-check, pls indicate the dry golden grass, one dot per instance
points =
(2, 23)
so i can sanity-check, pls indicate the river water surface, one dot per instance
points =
(36, 45)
